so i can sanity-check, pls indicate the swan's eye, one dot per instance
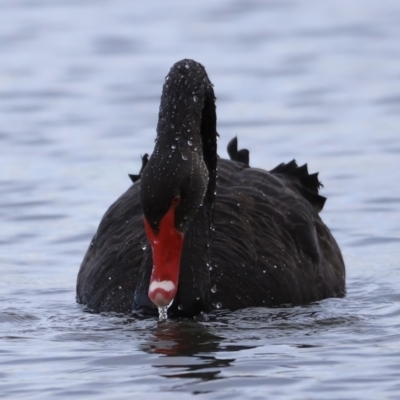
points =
(176, 201)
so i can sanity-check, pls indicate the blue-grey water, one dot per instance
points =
(80, 82)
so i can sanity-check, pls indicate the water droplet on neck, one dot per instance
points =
(184, 157)
(214, 289)
(144, 247)
(218, 305)
(173, 147)
(190, 142)
(195, 99)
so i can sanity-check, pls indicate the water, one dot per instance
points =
(80, 83)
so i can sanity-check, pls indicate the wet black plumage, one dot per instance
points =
(253, 239)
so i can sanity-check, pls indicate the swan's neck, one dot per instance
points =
(188, 115)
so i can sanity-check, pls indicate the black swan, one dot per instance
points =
(198, 232)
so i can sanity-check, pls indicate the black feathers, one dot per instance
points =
(307, 184)
(242, 156)
(135, 178)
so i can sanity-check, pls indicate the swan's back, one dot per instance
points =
(270, 246)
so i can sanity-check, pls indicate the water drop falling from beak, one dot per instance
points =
(163, 312)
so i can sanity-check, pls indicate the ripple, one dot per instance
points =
(271, 122)
(374, 241)
(35, 217)
(15, 317)
(115, 45)
(36, 94)
(383, 200)
(25, 204)
(353, 30)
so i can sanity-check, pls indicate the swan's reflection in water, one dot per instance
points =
(184, 345)
(208, 351)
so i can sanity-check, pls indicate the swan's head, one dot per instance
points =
(172, 191)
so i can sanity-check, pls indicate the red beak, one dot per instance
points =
(167, 249)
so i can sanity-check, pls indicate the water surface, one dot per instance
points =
(79, 89)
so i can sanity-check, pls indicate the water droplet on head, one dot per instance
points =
(180, 307)
(190, 142)
(275, 266)
(143, 248)
(214, 289)
(184, 157)
(187, 66)
(172, 126)
(109, 278)
(195, 99)
(218, 305)
(173, 147)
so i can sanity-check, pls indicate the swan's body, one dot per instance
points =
(246, 237)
